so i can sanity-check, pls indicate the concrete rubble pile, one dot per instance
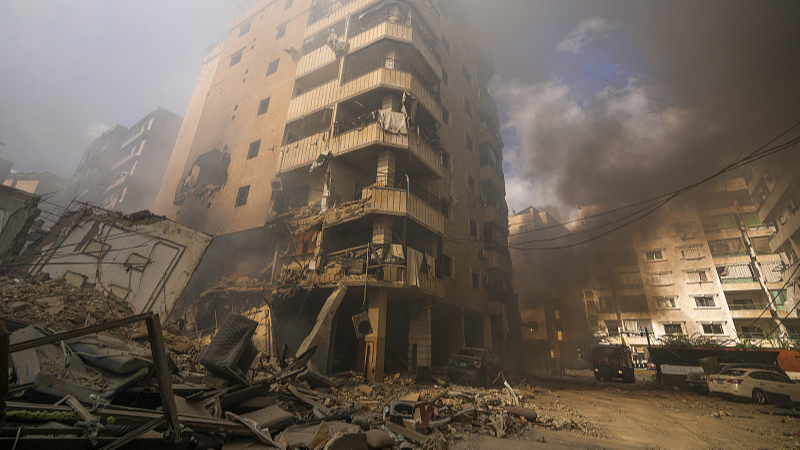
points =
(104, 385)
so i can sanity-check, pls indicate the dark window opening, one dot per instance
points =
(466, 74)
(473, 228)
(446, 265)
(244, 29)
(273, 67)
(476, 280)
(288, 4)
(446, 116)
(445, 77)
(281, 32)
(263, 106)
(253, 151)
(241, 196)
(446, 208)
(236, 57)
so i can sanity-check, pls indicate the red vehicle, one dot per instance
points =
(613, 361)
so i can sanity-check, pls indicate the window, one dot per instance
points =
(724, 247)
(692, 252)
(654, 255)
(629, 279)
(447, 263)
(741, 304)
(446, 116)
(476, 280)
(751, 331)
(666, 302)
(446, 44)
(704, 302)
(712, 328)
(263, 106)
(244, 29)
(779, 298)
(273, 67)
(445, 159)
(650, 233)
(236, 57)
(470, 182)
(445, 77)
(719, 223)
(684, 230)
(468, 107)
(661, 279)
(473, 228)
(697, 276)
(241, 196)
(673, 328)
(253, 151)
(470, 144)
(288, 4)
(281, 32)
(753, 222)
(466, 74)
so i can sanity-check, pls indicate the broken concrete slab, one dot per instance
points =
(378, 439)
(272, 417)
(322, 327)
(347, 441)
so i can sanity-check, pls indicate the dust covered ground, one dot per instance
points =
(576, 412)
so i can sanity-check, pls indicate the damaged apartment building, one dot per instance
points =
(350, 147)
(122, 168)
(709, 265)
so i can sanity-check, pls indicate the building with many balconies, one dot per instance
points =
(361, 136)
(702, 267)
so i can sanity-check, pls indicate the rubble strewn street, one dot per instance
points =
(101, 387)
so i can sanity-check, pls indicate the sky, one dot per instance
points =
(601, 101)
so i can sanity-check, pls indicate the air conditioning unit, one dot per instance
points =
(276, 184)
(482, 254)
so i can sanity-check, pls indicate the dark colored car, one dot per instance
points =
(613, 361)
(477, 367)
(698, 381)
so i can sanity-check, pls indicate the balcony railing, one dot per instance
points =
(391, 64)
(402, 182)
(407, 22)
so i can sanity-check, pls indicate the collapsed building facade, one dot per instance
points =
(704, 267)
(350, 144)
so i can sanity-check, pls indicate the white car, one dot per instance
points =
(759, 385)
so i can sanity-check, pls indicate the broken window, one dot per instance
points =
(654, 255)
(684, 230)
(712, 328)
(236, 57)
(298, 196)
(725, 247)
(209, 171)
(241, 196)
(273, 67)
(263, 106)
(666, 302)
(692, 252)
(252, 152)
(673, 328)
(281, 32)
(705, 301)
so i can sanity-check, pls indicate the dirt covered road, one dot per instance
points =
(576, 412)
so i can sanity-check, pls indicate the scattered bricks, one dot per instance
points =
(365, 390)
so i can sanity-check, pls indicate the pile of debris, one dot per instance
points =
(109, 382)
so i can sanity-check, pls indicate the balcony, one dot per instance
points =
(400, 202)
(786, 230)
(399, 28)
(492, 214)
(740, 284)
(486, 105)
(322, 18)
(750, 313)
(302, 153)
(487, 135)
(315, 60)
(489, 175)
(497, 259)
(381, 73)
(393, 273)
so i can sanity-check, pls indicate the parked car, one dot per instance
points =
(471, 366)
(613, 361)
(698, 381)
(760, 386)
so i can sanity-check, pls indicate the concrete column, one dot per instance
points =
(419, 335)
(375, 343)
(387, 163)
(487, 331)
(382, 226)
